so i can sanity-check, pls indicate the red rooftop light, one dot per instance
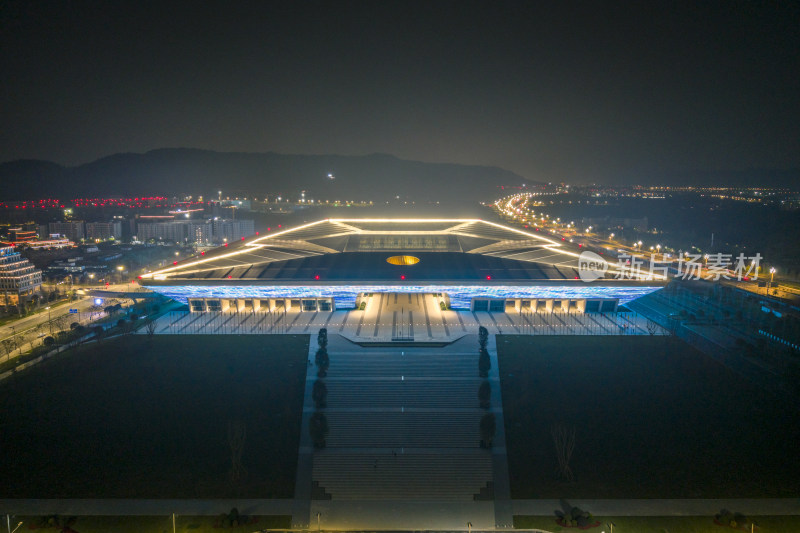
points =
(316, 277)
(488, 277)
(226, 244)
(174, 262)
(403, 276)
(242, 238)
(229, 277)
(202, 253)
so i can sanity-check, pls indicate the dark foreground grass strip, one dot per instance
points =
(150, 524)
(660, 524)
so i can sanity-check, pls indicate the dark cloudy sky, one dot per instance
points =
(575, 91)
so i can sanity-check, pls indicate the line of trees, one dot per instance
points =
(318, 423)
(488, 423)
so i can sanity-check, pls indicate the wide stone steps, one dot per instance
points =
(442, 394)
(451, 476)
(451, 367)
(404, 430)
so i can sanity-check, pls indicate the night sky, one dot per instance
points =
(583, 92)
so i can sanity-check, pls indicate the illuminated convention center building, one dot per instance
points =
(466, 264)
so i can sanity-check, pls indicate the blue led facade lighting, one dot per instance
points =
(460, 295)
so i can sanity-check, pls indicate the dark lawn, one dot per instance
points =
(138, 418)
(654, 419)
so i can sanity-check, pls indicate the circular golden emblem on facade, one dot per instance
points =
(402, 260)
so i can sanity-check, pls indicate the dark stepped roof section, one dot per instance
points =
(470, 243)
(403, 243)
(410, 227)
(371, 266)
(338, 243)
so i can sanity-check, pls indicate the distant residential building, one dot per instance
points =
(232, 230)
(179, 231)
(71, 229)
(196, 232)
(18, 277)
(199, 232)
(161, 231)
(104, 230)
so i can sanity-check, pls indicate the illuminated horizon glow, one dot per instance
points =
(460, 295)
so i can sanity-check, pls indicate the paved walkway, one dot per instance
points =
(403, 448)
(383, 320)
(425, 514)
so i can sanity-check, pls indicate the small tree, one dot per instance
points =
(60, 322)
(319, 394)
(99, 332)
(322, 338)
(483, 337)
(318, 429)
(484, 363)
(49, 341)
(485, 394)
(322, 364)
(151, 328)
(9, 346)
(488, 429)
(564, 440)
(237, 433)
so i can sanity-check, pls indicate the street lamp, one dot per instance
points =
(771, 277)
(49, 322)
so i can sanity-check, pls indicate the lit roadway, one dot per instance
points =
(521, 209)
(82, 304)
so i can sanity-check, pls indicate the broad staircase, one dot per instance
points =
(404, 425)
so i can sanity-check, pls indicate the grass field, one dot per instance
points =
(661, 524)
(155, 524)
(134, 417)
(653, 417)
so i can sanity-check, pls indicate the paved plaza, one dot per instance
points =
(394, 316)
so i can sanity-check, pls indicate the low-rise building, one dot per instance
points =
(73, 230)
(101, 231)
(18, 277)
